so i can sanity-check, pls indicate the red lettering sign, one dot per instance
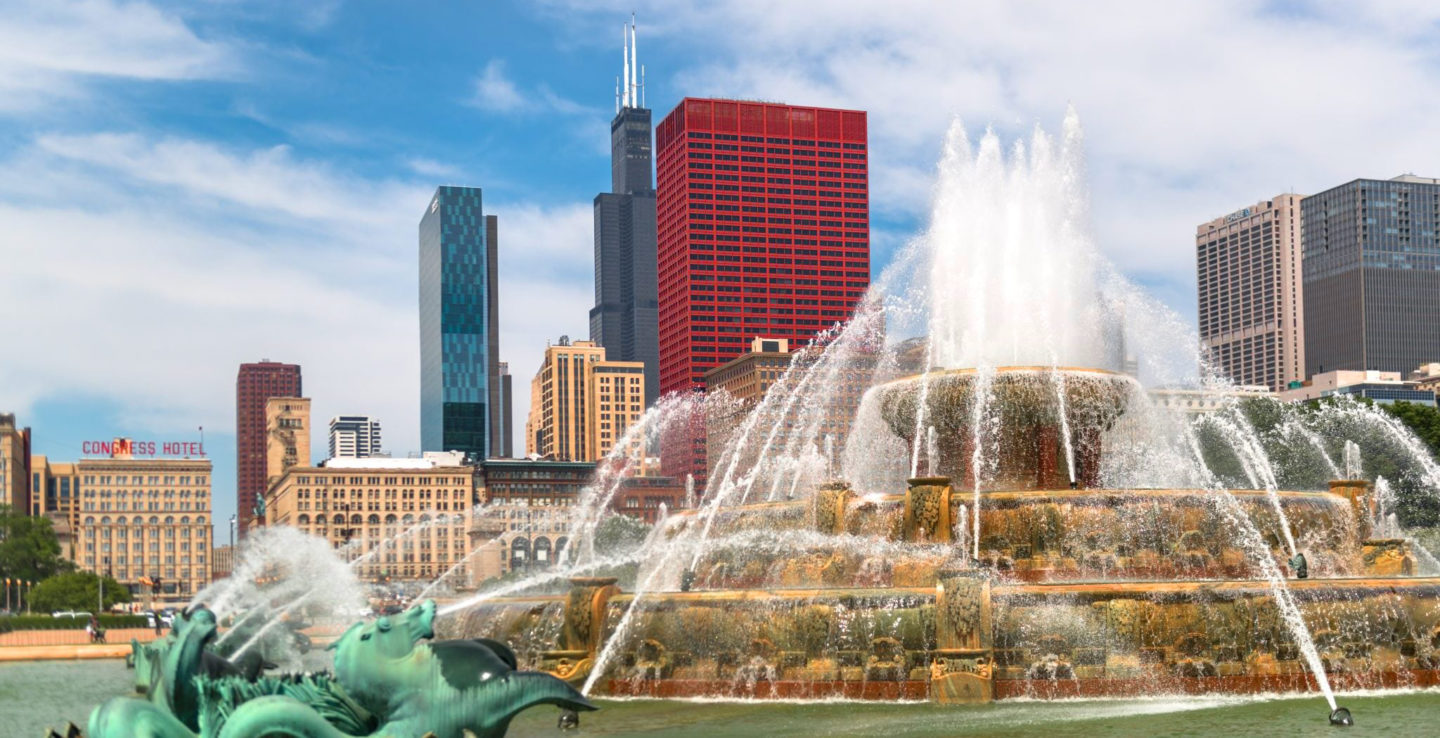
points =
(130, 447)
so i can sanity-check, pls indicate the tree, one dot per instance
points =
(1422, 420)
(76, 590)
(29, 549)
(619, 534)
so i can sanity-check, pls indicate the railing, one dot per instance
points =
(74, 637)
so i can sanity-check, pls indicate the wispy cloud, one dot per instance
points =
(268, 182)
(495, 92)
(433, 169)
(53, 49)
(546, 287)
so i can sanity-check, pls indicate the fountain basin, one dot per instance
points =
(1027, 408)
(837, 539)
(971, 636)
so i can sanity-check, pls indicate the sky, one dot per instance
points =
(186, 186)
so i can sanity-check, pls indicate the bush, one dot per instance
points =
(45, 622)
(78, 590)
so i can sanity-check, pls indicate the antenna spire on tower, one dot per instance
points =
(625, 52)
(634, 63)
(629, 89)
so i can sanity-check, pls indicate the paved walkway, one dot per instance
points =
(79, 637)
(43, 645)
(63, 652)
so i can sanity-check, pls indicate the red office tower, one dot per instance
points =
(764, 230)
(255, 384)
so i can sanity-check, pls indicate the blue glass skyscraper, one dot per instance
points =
(462, 402)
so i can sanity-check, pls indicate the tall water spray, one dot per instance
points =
(996, 220)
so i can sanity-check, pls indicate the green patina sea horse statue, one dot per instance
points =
(386, 683)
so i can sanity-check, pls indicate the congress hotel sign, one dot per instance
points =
(129, 447)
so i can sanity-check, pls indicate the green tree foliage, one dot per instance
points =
(1422, 420)
(76, 590)
(619, 534)
(29, 549)
(1301, 442)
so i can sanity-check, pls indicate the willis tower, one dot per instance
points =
(624, 319)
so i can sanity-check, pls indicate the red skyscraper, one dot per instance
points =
(764, 230)
(255, 384)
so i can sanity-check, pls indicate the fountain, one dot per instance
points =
(1009, 516)
(1071, 538)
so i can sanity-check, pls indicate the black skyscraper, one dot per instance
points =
(624, 319)
(1372, 275)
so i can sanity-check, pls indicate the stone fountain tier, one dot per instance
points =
(969, 639)
(1024, 434)
(836, 539)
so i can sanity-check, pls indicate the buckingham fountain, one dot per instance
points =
(1005, 512)
(1012, 514)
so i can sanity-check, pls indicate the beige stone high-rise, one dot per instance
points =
(1252, 322)
(14, 465)
(287, 436)
(581, 404)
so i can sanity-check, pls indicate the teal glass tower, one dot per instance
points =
(462, 407)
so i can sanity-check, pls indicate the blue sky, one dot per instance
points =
(186, 186)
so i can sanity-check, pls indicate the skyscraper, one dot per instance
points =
(15, 480)
(1372, 275)
(462, 403)
(1252, 319)
(354, 437)
(254, 385)
(624, 318)
(764, 230)
(501, 418)
(584, 402)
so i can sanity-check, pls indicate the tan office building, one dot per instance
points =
(1252, 323)
(287, 435)
(55, 494)
(145, 517)
(585, 403)
(748, 377)
(14, 465)
(407, 518)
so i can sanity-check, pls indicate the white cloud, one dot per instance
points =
(432, 169)
(546, 286)
(51, 49)
(268, 183)
(495, 92)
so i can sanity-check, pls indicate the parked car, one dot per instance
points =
(69, 614)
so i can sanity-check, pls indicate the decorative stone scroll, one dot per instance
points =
(927, 510)
(829, 505)
(584, 624)
(1362, 502)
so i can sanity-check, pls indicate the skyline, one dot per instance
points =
(180, 163)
